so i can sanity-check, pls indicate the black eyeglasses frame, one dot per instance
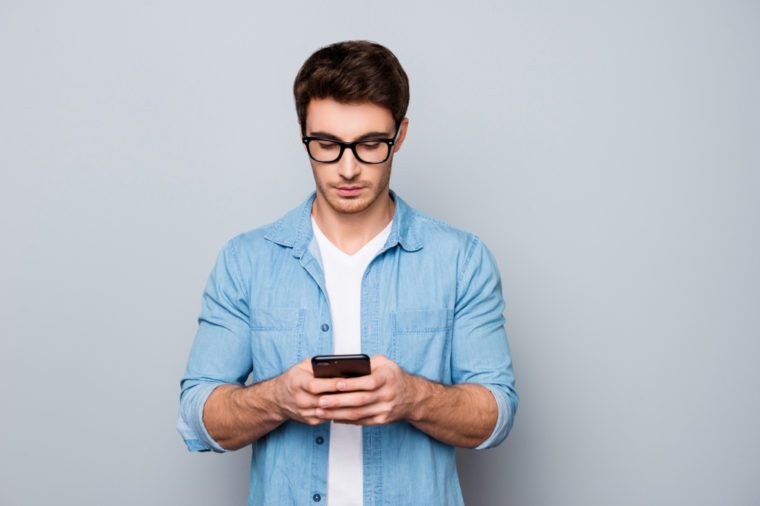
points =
(352, 145)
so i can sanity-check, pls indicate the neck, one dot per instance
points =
(351, 231)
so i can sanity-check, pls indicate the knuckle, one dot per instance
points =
(303, 401)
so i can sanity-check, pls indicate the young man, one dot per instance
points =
(352, 269)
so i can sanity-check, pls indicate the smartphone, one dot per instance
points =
(343, 366)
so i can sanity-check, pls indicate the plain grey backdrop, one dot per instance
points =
(607, 153)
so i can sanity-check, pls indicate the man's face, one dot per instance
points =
(348, 122)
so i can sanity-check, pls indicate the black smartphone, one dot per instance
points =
(343, 366)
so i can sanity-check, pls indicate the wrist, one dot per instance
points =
(272, 396)
(422, 392)
(262, 399)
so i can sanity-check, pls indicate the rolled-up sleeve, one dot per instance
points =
(480, 349)
(220, 353)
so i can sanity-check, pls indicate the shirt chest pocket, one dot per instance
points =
(422, 341)
(276, 340)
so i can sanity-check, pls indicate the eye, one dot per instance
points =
(327, 145)
(371, 145)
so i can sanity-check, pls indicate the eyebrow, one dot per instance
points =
(368, 135)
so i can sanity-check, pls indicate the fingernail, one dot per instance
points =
(320, 412)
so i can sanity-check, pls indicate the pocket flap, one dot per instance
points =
(275, 318)
(407, 321)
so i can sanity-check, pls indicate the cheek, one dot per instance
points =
(320, 180)
(382, 178)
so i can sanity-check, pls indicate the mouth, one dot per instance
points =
(349, 191)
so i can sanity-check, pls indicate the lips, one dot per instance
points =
(348, 191)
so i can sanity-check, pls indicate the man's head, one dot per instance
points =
(350, 91)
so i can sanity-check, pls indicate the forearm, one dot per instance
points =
(236, 416)
(460, 415)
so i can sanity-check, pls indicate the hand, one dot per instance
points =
(386, 395)
(297, 392)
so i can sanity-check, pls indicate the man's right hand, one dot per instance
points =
(297, 392)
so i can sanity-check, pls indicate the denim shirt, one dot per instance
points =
(431, 300)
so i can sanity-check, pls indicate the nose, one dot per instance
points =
(348, 165)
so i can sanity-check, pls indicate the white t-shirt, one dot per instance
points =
(343, 278)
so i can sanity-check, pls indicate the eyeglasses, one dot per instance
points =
(370, 151)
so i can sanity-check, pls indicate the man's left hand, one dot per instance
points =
(386, 395)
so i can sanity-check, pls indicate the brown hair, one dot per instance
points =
(353, 71)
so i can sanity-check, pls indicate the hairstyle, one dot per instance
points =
(353, 71)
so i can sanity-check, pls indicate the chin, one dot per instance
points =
(350, 206)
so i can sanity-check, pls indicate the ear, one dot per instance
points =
(401, 134)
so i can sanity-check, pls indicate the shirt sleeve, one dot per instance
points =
(480, 349)
(220, 353)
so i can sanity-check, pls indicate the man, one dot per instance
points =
(352, 269)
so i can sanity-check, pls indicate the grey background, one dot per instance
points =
(606, 152)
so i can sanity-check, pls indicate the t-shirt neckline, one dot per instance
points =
(358, 254)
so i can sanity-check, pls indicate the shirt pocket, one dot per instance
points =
(421, 340)
(276, 340)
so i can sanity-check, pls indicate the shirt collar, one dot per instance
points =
(294, 229)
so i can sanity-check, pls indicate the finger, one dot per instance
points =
(369, 382)
(318, 386)
(346, 400)
(367, 420)
(378, 360)
(310, 417)
(352, 413)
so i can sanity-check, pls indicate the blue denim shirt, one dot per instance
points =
(431, 300)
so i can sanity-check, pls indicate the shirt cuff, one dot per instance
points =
(190, 423)
(500, 429)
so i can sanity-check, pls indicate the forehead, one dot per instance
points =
(347, 120)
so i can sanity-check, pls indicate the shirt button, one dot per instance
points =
(325, 327)
(316, 497)
(320, 440)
